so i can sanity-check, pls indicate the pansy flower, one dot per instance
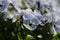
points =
(29, 20)
(40, 17)
(56, 22)
(31, 23)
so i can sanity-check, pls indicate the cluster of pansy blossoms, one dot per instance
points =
(33, 12)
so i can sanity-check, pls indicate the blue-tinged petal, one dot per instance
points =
(57, 28)
(40, 17)
(27, 14)
(48, 17)
(57, 22)
(37, 13)
(36, 20)
(3, 5)
(30, 27)
(57, 25)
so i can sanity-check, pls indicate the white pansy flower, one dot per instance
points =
(13, 16)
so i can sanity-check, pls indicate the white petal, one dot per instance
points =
(53, 31)
(13, 20)
(30, 27)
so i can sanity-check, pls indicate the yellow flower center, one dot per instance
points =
(31, 23)
(1, 4)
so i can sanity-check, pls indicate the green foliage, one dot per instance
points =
(16, 31)
(57, 37)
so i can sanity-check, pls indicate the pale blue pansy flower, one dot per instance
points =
(3, 5)
(40, 17)
(29, 20)
(31, 23)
